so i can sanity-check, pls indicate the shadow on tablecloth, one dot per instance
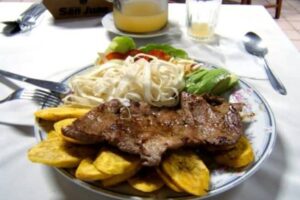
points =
(79, 23)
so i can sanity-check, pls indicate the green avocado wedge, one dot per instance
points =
(196, 77)
(225, 85)
(194, 73)
(210, 80)
(215, 81)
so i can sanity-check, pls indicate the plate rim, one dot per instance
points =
(233, 183)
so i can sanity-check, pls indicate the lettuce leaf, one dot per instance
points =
(172, 51)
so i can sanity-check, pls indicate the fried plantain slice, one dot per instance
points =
(168, 181)
(58, 153)
(52, 134)
(187, 171)
(59, 113)
(63, 123)
(116, 179)
(240, 156)
(146, 180)
(86, 171)
(113, 162)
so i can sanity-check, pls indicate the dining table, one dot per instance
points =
(56, 48)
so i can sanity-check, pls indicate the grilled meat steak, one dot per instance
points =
(149, 131)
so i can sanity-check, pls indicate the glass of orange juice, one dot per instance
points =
(202, 17)
(140, 16)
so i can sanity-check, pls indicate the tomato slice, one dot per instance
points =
(160, 54)
(157, 53)
(133, 52)
(115, 55)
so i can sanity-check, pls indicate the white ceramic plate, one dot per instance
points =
(260, 131)
(108, 23)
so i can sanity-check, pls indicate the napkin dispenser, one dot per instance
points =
(61, 9)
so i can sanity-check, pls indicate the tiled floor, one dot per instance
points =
(289, 20)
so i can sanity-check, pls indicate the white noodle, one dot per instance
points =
(156, 82)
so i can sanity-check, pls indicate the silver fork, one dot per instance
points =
(39, 96)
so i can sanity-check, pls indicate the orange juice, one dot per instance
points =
(140, 16)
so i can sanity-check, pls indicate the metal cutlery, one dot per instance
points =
(255, 46)
(26, 21)
(40, 96)
(50, 85)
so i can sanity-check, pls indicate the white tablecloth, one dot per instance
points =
(56, 48)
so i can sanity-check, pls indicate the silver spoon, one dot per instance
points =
(255, 45)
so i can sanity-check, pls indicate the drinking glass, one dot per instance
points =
(202, 17)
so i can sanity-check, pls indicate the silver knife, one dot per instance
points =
(50, 85)
(26, 21)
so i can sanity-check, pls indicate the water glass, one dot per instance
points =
(202, 17)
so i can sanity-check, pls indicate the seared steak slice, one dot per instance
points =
(149, 131)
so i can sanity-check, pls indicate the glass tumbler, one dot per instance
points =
(202, 17)
(140, 16)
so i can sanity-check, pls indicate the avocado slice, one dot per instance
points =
(192, 88)
(225, 84)
(194, 72)
(211, 79)
(196, 77)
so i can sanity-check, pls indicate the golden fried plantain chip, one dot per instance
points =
(187, 171)
(86, 171)
(116, 179)
(168, 181)
(113, 162)
(63, 123)
(52, 134)
(59, 113)
(240, 156)
(58, 153)
(147, 180)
